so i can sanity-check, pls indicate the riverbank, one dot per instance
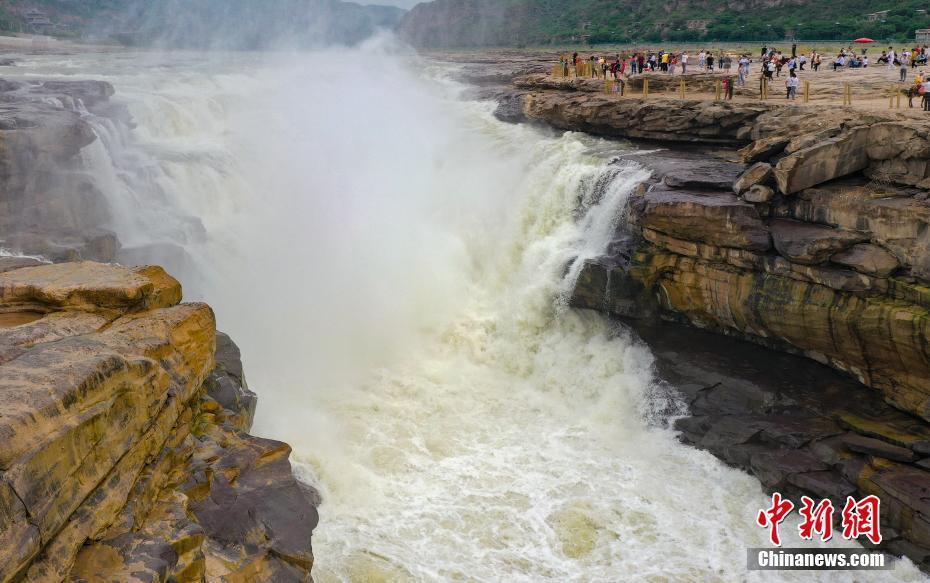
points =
(798, 228)
(125, 414)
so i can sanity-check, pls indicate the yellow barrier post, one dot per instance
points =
(847, 94)
(681, 86)
(717, 90)
(891, 97)
(898, 101)
(645, 88)
(807, 91)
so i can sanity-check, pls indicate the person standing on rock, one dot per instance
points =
(791, 83)
(742, 70)
(684, 62)
(925, 86)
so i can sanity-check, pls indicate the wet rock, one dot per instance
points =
(869, 259)
(811, 244)
(772, 468)
(510, 108)
(879, 448)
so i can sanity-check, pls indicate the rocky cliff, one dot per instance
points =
(813, 237)
(50, 206)
(125, 452)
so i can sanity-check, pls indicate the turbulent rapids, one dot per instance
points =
(394, 263)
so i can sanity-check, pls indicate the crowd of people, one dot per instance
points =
(773, 64)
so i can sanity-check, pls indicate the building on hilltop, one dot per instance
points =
(38, 21)
(876, 16)
(922, 36)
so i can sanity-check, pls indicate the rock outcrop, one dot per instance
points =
(818, 244)
(50, 205)
(123, 419)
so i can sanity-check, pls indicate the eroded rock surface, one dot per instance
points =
(123, 415)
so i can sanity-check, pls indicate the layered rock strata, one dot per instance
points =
(811, 238)
(124, 424)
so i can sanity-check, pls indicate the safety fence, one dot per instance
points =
(724, 88)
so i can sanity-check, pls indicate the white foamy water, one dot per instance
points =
(393, 262)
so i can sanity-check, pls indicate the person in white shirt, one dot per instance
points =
(792, 84)
(891, 58)
(684, 62)
(702, 59)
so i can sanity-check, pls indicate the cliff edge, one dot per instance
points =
(124, 418)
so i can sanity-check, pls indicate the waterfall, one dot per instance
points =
(394, 263)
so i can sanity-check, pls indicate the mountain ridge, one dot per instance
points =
(463, 23)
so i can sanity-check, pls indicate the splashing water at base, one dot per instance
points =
(394, 263)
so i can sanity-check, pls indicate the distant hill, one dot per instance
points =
(205, 23)
(458, 23)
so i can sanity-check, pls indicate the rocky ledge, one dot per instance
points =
(804, 229)
(124, 418)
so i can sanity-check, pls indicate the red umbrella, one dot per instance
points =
(863, 40)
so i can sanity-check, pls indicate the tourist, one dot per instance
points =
(663, 61)
(902, 69)
(769, 70)
(742, 71)
(815, 61)
(865, 61)
(840, 61)
(791, 83)
(672, 63)
(892, 59)
(709, 59)
(802, 60)
(794, 50)
(702, 60)
(925, 92)
(684, 62)
(728, 88)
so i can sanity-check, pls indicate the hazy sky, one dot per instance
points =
(401, 3)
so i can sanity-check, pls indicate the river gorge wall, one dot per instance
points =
(125, 414)
(126, 455)
(803, 229)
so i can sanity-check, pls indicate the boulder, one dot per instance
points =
(827, 160)
(811, 244)
(758, 173)
(764, 149)
(715, 218)
(87, 285)
(759, 193)
(869, 259)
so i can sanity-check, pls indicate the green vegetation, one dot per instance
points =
(540, 22)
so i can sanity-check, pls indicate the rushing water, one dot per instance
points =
(393, 262)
